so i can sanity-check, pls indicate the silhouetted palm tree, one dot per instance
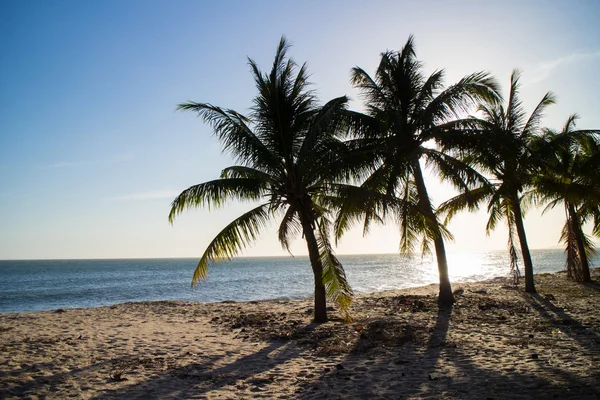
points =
(405, 112)
(498, 144)
(285, 149)
(571, 161)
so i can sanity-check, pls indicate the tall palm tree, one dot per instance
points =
(498, 144)
(405, 112)
(283, 149)
(570, 176)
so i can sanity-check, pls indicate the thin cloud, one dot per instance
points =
(151, 195)
(119, 158)
(62, 164)
(545, 69)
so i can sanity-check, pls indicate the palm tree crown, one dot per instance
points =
(571, 161)
(285, 149)
(499, 145)
(404, 111)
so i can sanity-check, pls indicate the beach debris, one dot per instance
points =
(434, 376)
(117, 373)
(59, 311)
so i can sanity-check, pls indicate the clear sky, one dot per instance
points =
(92, 150)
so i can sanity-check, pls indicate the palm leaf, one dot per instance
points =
(233, 238)
(534, 119)
(216, 193)
(234, 133)
(289, 228)
(334, 277)
(469, 200)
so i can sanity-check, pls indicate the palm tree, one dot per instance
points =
(405, 111)
(498, 144)
(570, 176)
(282, 149)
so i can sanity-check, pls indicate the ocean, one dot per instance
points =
(39, 285)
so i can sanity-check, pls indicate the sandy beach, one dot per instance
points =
(496, 343)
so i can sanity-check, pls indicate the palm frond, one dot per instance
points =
(289, 228)
(534, 119)
(370, 90)
(496, 211)
(358, 203)
(469, 200)
(233, 132)
(414, 225)
(216, 193)
(233, 238)
(243, 172)
(514, 113)
(325, 124)
(459, 98)
(449, 169)
(573, 262)
(334, 277)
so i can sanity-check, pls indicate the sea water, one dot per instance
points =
(51, 284)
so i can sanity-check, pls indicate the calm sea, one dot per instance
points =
(50, 284)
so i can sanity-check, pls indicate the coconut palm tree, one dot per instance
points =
(498, 144)
(570, 176)
(284, 149)
(405, 112)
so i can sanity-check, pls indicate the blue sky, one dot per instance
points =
(92, 150)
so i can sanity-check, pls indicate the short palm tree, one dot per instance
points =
(570, 176)
(498, 144)
(405, 112)
(284, 150)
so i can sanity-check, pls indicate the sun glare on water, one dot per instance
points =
(468, 267)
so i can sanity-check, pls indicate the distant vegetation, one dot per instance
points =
(321, 169)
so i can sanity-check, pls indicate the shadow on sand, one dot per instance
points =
(453, 356)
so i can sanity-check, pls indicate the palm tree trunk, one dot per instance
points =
(445, 295)
(516, 208)
(317, 267)
(585, 266)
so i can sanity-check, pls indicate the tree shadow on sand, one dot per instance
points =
(500, 345)
(196, 379)
(563, 322)
(448, 368)
(372, 372)
(50, 383)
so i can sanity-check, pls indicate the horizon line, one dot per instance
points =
(266, 256)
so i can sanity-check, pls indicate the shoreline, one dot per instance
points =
(44, 286)
(304, 298)
(496, 342)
